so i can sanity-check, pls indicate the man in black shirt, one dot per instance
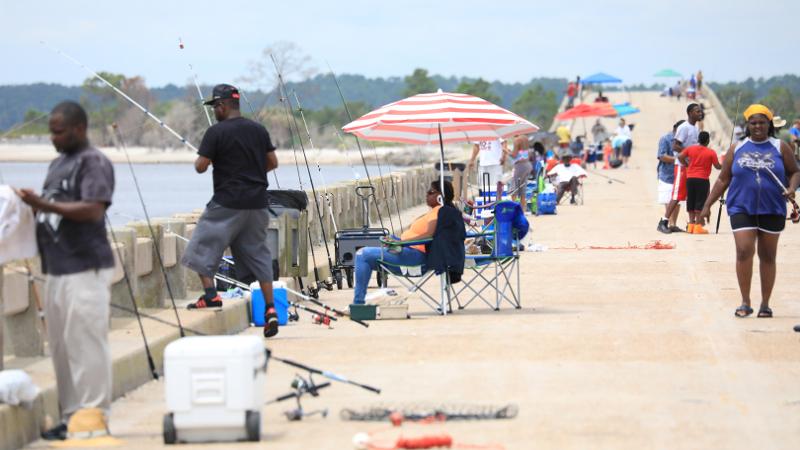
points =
(237, 215)
(77, 259)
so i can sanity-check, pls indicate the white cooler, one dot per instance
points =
(214, 388)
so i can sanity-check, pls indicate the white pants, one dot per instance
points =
(495, 174)
(76, 307)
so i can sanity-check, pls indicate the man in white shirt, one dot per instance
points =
(566, 177)
(492, 158)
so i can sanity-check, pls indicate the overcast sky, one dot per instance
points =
(501, 40)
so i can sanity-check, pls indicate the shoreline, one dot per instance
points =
(398, 156)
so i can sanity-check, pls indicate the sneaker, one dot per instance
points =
(690, 228)
(698, 229)
(662, 227)
(270, 322)
(202, 303)
(676, 229)
(57, 433)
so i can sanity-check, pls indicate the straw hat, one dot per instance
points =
(778, 122)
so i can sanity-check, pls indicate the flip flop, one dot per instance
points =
(765, 312)
(743, 311)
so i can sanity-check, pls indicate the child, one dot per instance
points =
(608, 150)
(698, 160)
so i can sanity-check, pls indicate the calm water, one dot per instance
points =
(172, 188)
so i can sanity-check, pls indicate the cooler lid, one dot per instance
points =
(215, 347)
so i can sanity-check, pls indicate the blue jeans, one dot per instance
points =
(367, 261)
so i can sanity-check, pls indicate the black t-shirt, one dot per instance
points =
(68, 246)
(238, 150)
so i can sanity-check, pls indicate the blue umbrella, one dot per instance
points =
(600, 78)
(624, 109)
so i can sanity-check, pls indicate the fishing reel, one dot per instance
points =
(302, 386)
(319, 319)
(294, 316)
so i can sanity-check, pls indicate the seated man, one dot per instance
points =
(566, 177)
(367, 257)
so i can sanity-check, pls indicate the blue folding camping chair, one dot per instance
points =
(497, 270)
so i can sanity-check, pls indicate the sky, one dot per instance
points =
(510, 41)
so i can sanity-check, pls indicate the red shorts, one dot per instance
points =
(679, 186)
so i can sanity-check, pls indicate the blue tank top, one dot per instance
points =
(522, 155)
(753, 190)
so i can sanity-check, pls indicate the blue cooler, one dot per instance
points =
(257, 307)
(547, 203)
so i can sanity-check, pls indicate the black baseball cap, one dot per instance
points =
(222, 91)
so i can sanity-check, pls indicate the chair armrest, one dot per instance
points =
(408, 243)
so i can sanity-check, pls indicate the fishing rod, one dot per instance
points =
(313, 290)
(328, 283)
(383, 184)
(197, 85)
(123, 95)
(358, 142)
(255, 117)
(326, 374)
(795, 214)
(610, 179)
(327, 195)
(147, 352)
(733, 127)
(324, 316)
(149, 226)
(23, 124)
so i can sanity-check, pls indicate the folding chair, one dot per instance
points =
(449, 228)
(498, 269)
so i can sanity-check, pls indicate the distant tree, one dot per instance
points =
(105, 107)
(292, 62)
(419, 83)
(537, 105)
(478, 88)
(781, 101)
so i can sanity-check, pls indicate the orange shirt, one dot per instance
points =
(419, 228)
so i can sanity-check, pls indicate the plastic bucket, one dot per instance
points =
(257, 306)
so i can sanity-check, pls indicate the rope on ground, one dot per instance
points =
(652, 245)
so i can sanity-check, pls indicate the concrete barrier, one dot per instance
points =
(1, 321)
(24, 333)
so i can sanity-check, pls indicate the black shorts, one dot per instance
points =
(696, 193)
(768, 223)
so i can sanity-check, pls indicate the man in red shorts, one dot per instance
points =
(698, 160)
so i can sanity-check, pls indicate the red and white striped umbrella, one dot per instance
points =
(416, 120)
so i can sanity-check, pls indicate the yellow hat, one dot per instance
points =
(757, 109)
(87, 428)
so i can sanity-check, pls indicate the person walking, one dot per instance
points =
(523, 167)
(490, 164)
(78, 264)
(666, 178)
(627, 144)
(686, 135)
(698, 160)
(238, 214)
(756, 204)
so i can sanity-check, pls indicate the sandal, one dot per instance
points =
(765, 312)
(202, 303)
(743, 311)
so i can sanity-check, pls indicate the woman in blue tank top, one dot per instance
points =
(756, 203)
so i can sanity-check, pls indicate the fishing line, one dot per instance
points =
(149, 227)
(23, 125)
(312, 290)
(133, 300)
(258, 120)
(722, 196)
(122, 94)
(197, 85)
(358, 142)
(328, 284)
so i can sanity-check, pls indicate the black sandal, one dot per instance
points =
(743, 311)
(765, 312)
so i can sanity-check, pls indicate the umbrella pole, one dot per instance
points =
(441, 158)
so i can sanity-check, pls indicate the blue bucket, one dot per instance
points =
(257, 307)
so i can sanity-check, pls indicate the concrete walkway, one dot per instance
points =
(617, 348)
